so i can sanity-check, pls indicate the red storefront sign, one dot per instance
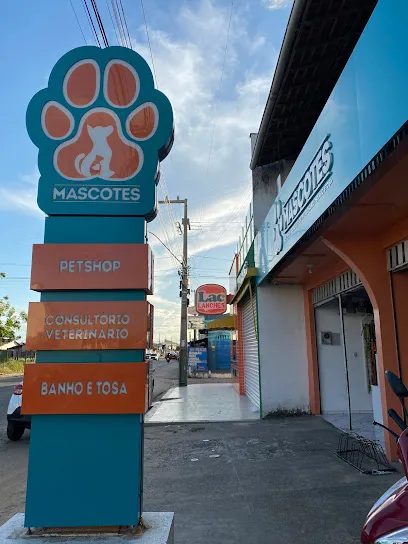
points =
(211, 299)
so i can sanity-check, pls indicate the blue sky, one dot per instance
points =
(188, 39)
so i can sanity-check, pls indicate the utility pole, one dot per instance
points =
(184, 292)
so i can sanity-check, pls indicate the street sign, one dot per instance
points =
(211, 299)
(99, 388)
(101, 129)
(195, 322)
(91, 266)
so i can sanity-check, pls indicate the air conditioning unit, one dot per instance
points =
(327, 338)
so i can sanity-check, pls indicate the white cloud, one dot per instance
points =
(277, 4)
(21, 195)
(188, 65)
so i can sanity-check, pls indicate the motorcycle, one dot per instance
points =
(387, 521)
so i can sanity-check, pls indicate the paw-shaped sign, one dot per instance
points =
(101, 129)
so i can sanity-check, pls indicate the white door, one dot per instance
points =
(250, 346)
(332, 378)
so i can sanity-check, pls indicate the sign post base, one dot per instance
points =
(160, 531)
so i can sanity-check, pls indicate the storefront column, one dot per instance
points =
(400, 298)
(311, 347)
(368, 259)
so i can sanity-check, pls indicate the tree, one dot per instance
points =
(10, 319)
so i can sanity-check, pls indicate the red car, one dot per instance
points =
(171, 357)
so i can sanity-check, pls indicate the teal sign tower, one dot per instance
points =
(101, 129)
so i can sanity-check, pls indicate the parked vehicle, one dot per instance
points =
(387, 521)
(171, 357)
(16, 422)
(152, 356)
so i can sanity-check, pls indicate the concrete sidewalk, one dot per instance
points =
(201, 402)
(259, 482)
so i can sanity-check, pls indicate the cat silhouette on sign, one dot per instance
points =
(97, 162)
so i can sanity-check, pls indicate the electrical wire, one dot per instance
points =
(233, 215)
(77, 20)
(121, 24)
(100, 24)
(217, 100)
(118, 22)
(126, 25)
(168, 249)
(148, 41)
(113, 22)
(90, 21)
(14, 264)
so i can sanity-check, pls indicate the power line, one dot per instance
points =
(100, 24)
(217, 100)
(122, 25)
(233, 215)
(148, 41)
(113, 22)
(118, 23)
(168, 249)
(14, 264)
(15, 278)
(90, 21)
(126, 25)
(77, 20)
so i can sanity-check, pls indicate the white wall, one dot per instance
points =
(332, 378)
(282, 354)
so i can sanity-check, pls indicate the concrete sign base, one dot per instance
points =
(161, 532)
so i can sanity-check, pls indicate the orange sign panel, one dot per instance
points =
(211, 299)
(84, 388)
(87, 325)
(91, 266)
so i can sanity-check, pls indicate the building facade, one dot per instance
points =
(326, 268)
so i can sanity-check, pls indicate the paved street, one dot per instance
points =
(13, 459)
(165, 376)
(259, 481)
(273, 481)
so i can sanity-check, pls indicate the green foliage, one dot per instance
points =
(12, 367)
(10, 320)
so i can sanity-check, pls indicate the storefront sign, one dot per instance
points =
(91, 266)
(197, 360)
(361, 116)
(100, 127)
(316, 175)
(84, 388)
(87, 325)
(195, 322)
(211, 299)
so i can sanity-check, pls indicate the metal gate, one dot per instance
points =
(250, 348)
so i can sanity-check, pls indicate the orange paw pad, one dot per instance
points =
(142, 122)
(81, 84)
(57, 121)
(121, 84)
